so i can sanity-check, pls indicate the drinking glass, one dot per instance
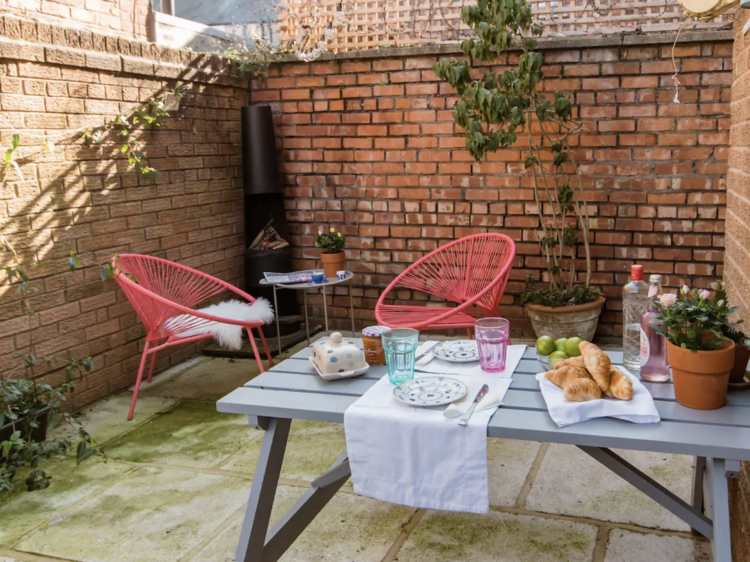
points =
(492, 336)
(400, 346)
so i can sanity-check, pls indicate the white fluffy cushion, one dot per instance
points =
(226, 335)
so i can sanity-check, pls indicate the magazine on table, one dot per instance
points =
(295, 277)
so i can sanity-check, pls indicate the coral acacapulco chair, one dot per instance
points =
(163, 294)
(471, 272)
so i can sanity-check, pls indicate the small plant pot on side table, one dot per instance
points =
(701, 378)
(566, 321)
(333, 263)
(741, 358)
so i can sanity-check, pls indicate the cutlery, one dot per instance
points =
(481, 394)
(427, 351)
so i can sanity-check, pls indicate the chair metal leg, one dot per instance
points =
(265, 347)
(138, 380)
(258, 358)
(151, 369)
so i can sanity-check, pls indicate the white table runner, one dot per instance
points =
(417, 456)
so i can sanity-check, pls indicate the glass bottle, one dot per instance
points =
(654, 365)
(634, 305)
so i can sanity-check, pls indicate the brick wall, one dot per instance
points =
(737, 257)
(122, 17)
(90, 201)
(370, 146)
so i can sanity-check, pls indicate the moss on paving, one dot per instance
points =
(188, 435)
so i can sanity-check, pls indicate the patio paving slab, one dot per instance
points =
(106, 419)
(350, 528)
(312, 448)
(498, 537)
(23, 511)
(188, 435)
(625, 546)
(571, 482)
(508, 463)
(210, 379)
(152, 515)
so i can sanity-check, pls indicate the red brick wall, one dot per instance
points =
(370, 146)
(737, 257)
(122, 17)
(84, 200)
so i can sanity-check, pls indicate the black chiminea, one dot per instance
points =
(265, 219)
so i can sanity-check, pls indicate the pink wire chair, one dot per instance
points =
(471, 272)
(163, 294)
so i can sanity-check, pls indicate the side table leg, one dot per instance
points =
(258, 514)
(278, 325)
(721, 544)
(351, 307)
(307, 320)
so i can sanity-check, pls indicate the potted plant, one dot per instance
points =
(332, 244)
(741, 341)
(698, 351)
(492, 110)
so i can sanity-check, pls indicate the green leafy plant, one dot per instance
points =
(495, 108)
(694, 319)
(330, 242)
(251, 61)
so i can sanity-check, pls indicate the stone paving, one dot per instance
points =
(177, 478)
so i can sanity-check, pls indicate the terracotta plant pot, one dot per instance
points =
(566, 321)
(333, 263)
(741, 357)
(701, 378)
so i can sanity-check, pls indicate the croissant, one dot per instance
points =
(597, 363)
(620, 385)
(581, 390)
(564, 374)
(571, 362)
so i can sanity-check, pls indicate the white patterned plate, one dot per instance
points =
(430, 391)
(457, 351)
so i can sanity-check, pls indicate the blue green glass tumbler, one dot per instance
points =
(400, 345)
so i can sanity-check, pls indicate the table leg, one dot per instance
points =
(700, 469)
(258, 514)
(325, 308)
(351, 307)
(307, 319)
(721, 545)
(278, 325)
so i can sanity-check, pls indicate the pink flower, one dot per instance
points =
(685, 290)
(704, 294)
(668, 299)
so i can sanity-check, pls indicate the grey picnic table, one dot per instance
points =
(719, 439)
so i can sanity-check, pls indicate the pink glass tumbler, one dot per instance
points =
(492, 336)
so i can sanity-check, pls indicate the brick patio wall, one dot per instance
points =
(737, 256)
(370, 146)
(90, 201)
(122, 17)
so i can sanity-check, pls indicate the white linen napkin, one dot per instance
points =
(640, 409)
(416, 456)
(438, 366)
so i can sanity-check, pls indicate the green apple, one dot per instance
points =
(556, 356)
(571, 347)
(560, 344)
(545, 345)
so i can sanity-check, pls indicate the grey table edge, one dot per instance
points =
(273, 411)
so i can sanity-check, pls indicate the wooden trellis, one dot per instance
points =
(398, 23)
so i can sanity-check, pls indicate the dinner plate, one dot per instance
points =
(457, 351)
(430, 391)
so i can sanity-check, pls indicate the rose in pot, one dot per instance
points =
(700, 354)
(332, 244)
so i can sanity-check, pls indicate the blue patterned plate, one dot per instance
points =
(457, 351)
(430, 391)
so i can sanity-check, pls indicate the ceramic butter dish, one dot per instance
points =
(338, 358)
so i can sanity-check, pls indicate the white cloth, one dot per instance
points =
(640, 409)
(438, 366)
(417, 456)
